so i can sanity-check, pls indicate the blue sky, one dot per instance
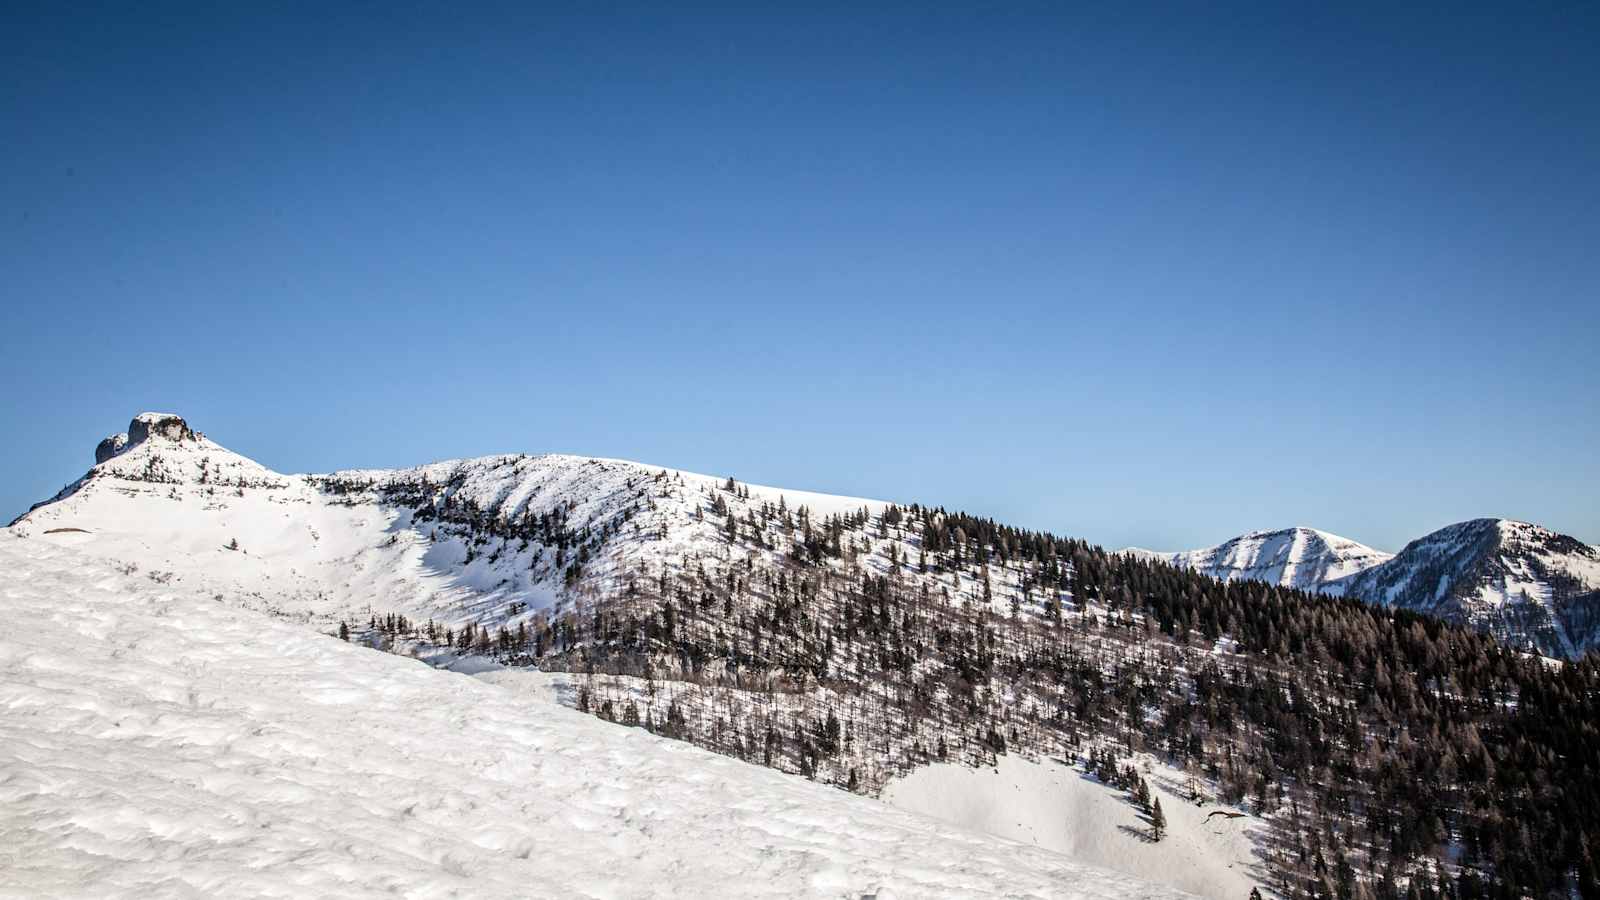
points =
(1148, 276)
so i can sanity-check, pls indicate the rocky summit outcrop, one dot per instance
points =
(144, 426)
(165, 425)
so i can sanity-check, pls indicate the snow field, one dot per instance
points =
(1061, 808)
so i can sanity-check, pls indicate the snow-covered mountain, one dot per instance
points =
(1302, 558)
(154, 714)
(1526, 584)
(903, 651)
(491, 536)
(501, 536)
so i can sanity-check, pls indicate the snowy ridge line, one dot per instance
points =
(821, 504)
(1528, 586)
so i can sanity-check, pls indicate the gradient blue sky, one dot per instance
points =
(1151, 276)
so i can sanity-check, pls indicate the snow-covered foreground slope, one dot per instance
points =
(157, 742)
(1301, 558)
(1205, 851)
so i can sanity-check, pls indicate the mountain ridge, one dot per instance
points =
(1529, 585)
(1546, 599)
(1526, 584)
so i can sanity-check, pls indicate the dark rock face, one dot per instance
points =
(109, 447)
(171, 427)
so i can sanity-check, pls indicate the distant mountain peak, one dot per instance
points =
(1297, 557)
(1533, 587)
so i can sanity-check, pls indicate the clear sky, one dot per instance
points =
(1152, 276)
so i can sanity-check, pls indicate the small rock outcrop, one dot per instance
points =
(110, 447)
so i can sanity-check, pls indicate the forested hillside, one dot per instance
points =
(1393, 754)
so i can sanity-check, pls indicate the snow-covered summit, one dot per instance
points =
(1525, 583)
(1299, 557)
(162, 448)
(158, 451)
(163, 426)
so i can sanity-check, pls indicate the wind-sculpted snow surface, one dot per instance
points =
(159, 743)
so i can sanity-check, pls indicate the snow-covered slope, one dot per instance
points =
(1301, 558)
(494, 534)
(495, 540)
(1526, 584)
(159, 743)
(1207, 850)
